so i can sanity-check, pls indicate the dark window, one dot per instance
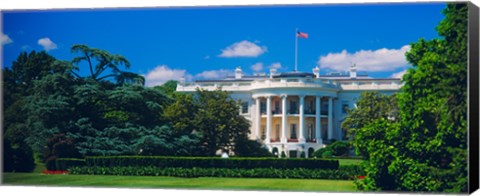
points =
(263, 107)
(293, 131)
(277, 107)
(244, 107)
(293, 107)
(310, 152)
(344, 107)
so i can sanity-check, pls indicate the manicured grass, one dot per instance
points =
(349, 161)
(174, 182)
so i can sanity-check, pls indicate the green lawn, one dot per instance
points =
(348, 161)
(174, 182)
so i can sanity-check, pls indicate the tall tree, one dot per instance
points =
(219, 121)
(21, 84)
(107, 65)
(433, 108)
(427, 149)
(370, 107)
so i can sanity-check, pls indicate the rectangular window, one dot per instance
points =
(263, 107)
(244, 107)
(277, 107)
(324, 108)
(345, 107)
(293, 107)
(293, 131)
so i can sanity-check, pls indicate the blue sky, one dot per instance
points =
(209, 42)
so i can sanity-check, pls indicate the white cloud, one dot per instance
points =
(257, 67)
(47, 44)
(214, 74)
(243, 49)
(162, 74)
(4, 39)
(276, 66)
(366, 60)
(398, 74)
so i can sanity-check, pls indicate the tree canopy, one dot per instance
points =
(426, 148)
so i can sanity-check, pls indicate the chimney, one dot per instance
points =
(353, 71)
(273, 72)
(238, 73)
(316, 71)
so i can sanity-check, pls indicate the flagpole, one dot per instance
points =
(296, 48)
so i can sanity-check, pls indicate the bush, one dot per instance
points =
(352, 170)
(299, 173)
(337, 148)
(210, 162)
(327, 154)
(251, 148)
(66, 163)
(50, 163)
(23, 159)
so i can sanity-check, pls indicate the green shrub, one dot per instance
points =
(210, 162)
(319, 152)
(327, 154)
(50, 163)
(352, 170)
(339, 148)
(283, 154)
(298, 173)
(302, 155)
(66, 163)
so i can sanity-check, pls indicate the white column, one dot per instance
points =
(269, 119)
(301, 131)
(258, 118)
(330, 117)
(318, 127)
(284, 119)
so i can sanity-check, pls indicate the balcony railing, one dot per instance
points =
(292, 112)
(299, 82)
(275, 140)
(309, 112)
(292, 140)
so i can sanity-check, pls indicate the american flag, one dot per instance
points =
(302, 35)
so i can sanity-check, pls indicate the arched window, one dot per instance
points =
(275, 151)
(310, 152)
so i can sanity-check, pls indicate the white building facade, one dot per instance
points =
(296, 112)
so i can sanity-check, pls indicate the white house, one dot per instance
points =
(296, 111)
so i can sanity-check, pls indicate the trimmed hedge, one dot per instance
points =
(353, 170)
(66, 163)
(299, 173)
(209, 162)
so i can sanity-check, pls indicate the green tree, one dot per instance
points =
(107, 65)
(181, 113)
(426, 149)
(370, 107)
(169, 87)
(433, 109)
(219, 121)
(21, 88)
